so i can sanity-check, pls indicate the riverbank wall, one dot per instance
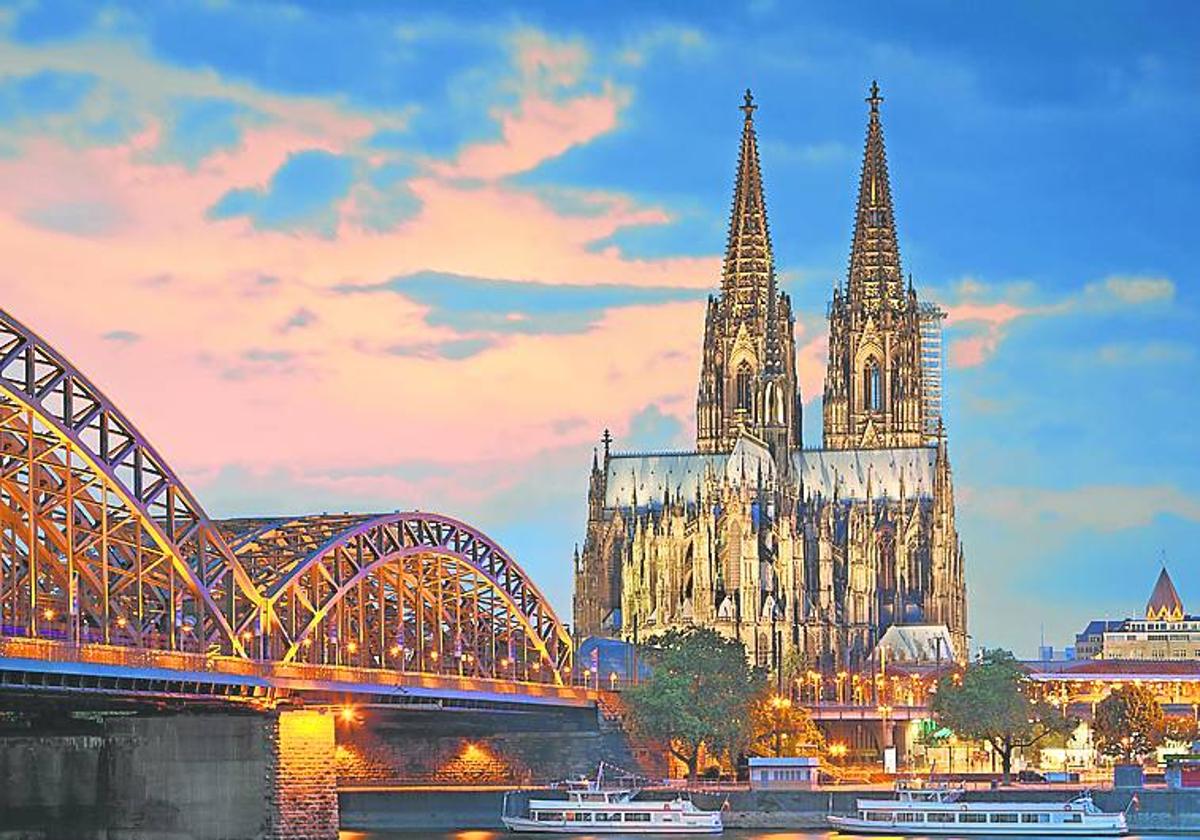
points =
(1157, 810)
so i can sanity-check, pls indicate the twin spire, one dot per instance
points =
(875, 274)
(748, 284)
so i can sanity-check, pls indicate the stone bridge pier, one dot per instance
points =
(199, 776)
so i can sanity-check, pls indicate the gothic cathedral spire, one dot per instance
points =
(748, 374)
(875, 385)
(875, 275)
(748, 281)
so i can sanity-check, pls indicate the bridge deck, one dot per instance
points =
(47, 665)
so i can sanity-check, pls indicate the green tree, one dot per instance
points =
(1129, 724)
(699, 691)
(991, 702)
(779, 727)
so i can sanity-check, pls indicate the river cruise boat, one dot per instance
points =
(591, 808)
(936, 809)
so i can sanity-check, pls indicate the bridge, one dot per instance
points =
(118, 589)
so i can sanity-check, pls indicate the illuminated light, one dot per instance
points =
(537, 666)
(837, 749)
(433, 654)
(307, 642)
(121, 622)
(394, 650)
(347, 714)
(247, 635)
(505, 662)
(48, 614)
(352, 647)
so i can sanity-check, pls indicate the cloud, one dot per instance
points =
(81, 218)
(1145, 353)
(1105, 508)
(981, 325)
(651, 430)
(475, 304)
(122, 336)
(300, 196)
(298, 320)
(454, 350)
(537, 130)
(1132, 290)
(680, 41)
(199, 126)
(42, 94)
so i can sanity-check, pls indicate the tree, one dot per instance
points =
(1129, 724)
(698, 693)
(781, 728)
(991, 703)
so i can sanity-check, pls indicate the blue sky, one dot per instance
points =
(421, 257)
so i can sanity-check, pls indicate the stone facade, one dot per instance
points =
(805, 555)
(219, 775)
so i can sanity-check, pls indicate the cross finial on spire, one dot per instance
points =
(748, 105)
(606, 439)
(874, 99)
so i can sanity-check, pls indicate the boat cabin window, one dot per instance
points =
(548, 816)
(1035, 818)
(635, 817)
(878, 816)
(578, 816)
(972, 818)
(905, 816)
(939, 817)
(601, 816)
(1073, 818)
(1004, 818)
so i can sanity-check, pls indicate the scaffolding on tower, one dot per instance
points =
(931, 370)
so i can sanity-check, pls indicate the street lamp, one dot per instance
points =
(779, 704)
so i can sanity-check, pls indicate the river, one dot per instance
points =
(732, 834)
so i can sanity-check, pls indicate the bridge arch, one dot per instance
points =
(101, 542)
(99, 538)
(410, 590)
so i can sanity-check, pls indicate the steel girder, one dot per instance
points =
(80, 462)
(415, 590)
(101, 542)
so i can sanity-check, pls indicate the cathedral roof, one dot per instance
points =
(644, 478)
(850, 473)
(875, 255)
(1164, 603)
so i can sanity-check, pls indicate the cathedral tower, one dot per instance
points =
(879, 390)
(748, 373)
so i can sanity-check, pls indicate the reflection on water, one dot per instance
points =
(730, 834)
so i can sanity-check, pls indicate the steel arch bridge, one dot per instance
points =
(102, 545)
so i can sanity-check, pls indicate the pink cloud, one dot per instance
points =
(536, 131)
(991, 318)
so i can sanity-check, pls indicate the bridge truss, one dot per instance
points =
(101, 544)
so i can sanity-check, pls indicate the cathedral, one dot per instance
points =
(805, 555)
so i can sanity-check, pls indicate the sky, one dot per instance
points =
(377, 256)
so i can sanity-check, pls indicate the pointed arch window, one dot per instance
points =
(744, 390)
(872, 386)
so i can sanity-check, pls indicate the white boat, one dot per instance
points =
(936, 809)
(591, 808)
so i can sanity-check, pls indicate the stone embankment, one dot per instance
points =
(1157, 810)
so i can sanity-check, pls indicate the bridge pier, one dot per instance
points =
(199, 776)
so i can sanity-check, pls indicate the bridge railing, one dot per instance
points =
(285, 676)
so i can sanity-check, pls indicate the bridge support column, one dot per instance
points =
(243, 775)
(303, 776)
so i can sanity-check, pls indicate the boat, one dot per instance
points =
(926, 809)
(593, 808)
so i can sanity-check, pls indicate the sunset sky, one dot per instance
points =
(370, 256)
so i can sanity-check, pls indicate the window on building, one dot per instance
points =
(744, 396)
(1004, 818)
(872, 386)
